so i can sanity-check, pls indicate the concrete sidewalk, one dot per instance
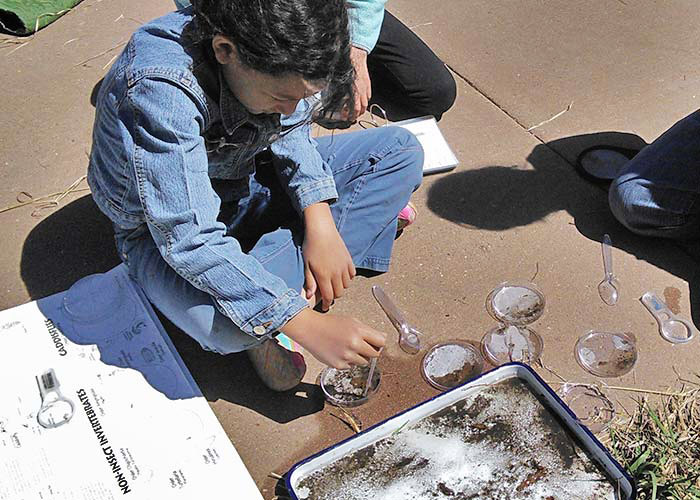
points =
(513, 210)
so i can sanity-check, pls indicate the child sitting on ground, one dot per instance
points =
(232, 219)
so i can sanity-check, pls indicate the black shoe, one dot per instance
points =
(602, 164)
(333, 124)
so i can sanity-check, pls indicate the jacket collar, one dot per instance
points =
(233, 114)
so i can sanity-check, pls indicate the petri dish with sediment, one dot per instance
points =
(606, 354)
(449, 364)
(347, 387)
(592, 408)
(506, 343)
(515, 303)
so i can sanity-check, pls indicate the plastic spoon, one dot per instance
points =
(409, 337)
(608, 288)
(372, 367)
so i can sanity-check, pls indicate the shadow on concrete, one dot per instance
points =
(95, 91)
(11, 24)
(71, 243)
(496, 198)
(232, 378)
(77, 241)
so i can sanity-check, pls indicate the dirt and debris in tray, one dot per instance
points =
(532, 478)
(499, 442)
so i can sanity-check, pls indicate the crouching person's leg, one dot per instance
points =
(195, 313)
(280, 368)
(658, 192)
(375, 172)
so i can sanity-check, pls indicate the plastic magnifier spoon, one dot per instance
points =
(608, 288)
(671, 327)
(409, 337)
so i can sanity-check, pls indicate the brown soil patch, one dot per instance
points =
(672, 297)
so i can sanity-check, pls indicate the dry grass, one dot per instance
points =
(45, 202)
(659, 444)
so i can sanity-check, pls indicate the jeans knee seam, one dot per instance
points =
(394, 146)
(352, 198)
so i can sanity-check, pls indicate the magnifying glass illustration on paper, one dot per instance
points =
(56, 409)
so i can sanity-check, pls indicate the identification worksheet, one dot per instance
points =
(96, 404)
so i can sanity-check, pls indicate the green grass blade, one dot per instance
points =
(640, 460)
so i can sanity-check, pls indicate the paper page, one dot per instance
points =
(96, 404)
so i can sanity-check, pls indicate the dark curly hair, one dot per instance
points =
(308, 37)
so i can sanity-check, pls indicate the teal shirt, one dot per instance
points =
(366, 18)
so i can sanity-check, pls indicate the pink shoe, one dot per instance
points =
(407, 216)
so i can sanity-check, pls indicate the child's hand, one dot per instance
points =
(328, 266)
(337, 341)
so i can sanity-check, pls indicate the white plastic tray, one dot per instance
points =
(593, 449)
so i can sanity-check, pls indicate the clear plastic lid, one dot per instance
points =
(592, 408)
(507, 343)
(515, 303)
(450, 364)
(606, 354)
(346, 387)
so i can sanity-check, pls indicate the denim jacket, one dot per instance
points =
(167, 128)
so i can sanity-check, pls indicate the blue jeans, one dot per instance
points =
(375, 172)
(658, 192)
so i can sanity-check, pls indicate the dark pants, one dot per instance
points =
(408, 79)
(658, 192)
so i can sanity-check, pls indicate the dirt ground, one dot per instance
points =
(514, 209)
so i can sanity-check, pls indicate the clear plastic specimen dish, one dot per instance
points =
(515, 303)
(346, 387)
(450, 364)
(591, 406)
(507, 343)
(606, 354)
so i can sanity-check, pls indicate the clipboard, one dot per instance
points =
(438, 154)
